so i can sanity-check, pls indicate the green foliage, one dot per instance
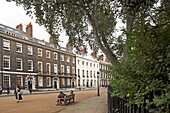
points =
(145, 76)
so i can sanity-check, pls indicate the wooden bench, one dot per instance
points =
(66, 98)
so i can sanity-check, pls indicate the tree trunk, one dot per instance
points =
(129, 27)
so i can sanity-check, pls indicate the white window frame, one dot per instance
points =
(31, 48)
(21, 63)
(7, 46)
(68, 82)
(73, 60)
(20, 46)
(9, 61)
(48, 54)
(68, 69)
(63, 68)
(40, 85)
(41, 66)
(9, 79)
(56, 56)
(49, 81)
(62, 57)
(68, 58)
(49, 68)
(73, 68)
(40, 52)
(31, 65)
(55, 69)
(21, 79)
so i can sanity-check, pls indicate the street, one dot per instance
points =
(44, 103)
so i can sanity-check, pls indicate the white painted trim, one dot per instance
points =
(11, 72)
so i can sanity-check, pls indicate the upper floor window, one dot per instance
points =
(48, 68)
(55, 69)
(6, 44)
(68, 69)
(39, 52)
(82, 62)
(30, 65)
(55, 56)
(78, 61)
(68, 59)
(94, 65)
(73, 60)
(78, 72)
(30, 50)
(19, 47)
(62, 68)
(83, 73)
(40, 67)
(90, 64)
(62, 57)
(19, 64)
(73, 70)
(86, 63)
(47, 54)
(6, 62)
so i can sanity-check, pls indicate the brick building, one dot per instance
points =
(33, 63)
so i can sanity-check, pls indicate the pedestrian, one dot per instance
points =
(17, 93)
(71, 92)
(0, 89)
(61, 95)
(8, 90)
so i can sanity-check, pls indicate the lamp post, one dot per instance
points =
(98, 83)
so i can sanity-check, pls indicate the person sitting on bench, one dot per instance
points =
(61, 95)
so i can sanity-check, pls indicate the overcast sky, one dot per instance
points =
(12, 15)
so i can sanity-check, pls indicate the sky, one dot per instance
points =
(12, 15)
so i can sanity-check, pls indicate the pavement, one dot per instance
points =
(96, 104)
(86, 101)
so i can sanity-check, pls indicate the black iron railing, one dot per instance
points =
(119, 105)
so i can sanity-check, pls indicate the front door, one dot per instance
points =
(72, 84)
(55, 84)
(29, 84)
(87, 84)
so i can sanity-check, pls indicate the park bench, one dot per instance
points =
(66, 98)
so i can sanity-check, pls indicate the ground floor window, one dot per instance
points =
(68, 81)
(62, 82)
(78, 82)
(83, 82)
(6, 80)
(48, 81)
(19, 80)
(40, 81)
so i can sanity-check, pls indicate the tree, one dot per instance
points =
(91, 21)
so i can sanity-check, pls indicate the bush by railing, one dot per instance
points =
(119, 105)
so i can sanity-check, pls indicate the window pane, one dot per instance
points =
(19, 64)
(6, 62)
(6, 81)
(6, 44)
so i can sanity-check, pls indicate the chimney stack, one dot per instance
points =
(93, 54)
(83, 50)
(51, 39)
(101, 57)
(29, 30)
(19, 27)
(69, 46)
